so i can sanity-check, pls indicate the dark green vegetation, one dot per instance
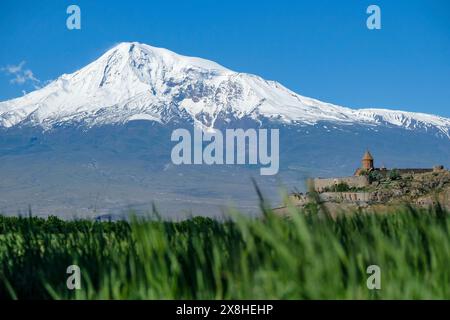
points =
(343, 187)
(307, 256)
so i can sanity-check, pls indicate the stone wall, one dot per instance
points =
(355, 182)
(354, 197)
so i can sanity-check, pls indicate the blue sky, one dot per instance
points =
(320, 49)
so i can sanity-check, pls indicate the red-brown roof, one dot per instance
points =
(367, 156)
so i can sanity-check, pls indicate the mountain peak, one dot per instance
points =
(140, 52)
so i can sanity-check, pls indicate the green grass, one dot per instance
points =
(305, 257)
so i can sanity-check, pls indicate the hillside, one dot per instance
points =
(383, 194)
(419, 189)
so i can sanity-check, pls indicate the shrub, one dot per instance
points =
(394, 174)
(375, 176)
(341, 187)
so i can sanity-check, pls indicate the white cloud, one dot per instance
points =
(21, 75)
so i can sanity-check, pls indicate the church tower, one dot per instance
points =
(367, 161)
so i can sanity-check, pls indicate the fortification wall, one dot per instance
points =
(346, 196)
(355, 182)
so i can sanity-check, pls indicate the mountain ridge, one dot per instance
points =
(134, 81)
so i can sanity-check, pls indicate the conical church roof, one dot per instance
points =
(367, 156)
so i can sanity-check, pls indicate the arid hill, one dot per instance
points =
(382, 194)
(418, 189)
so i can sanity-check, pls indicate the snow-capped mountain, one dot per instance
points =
(134, 81)
(74, 147)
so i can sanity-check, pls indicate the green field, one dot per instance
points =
(308, 256)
